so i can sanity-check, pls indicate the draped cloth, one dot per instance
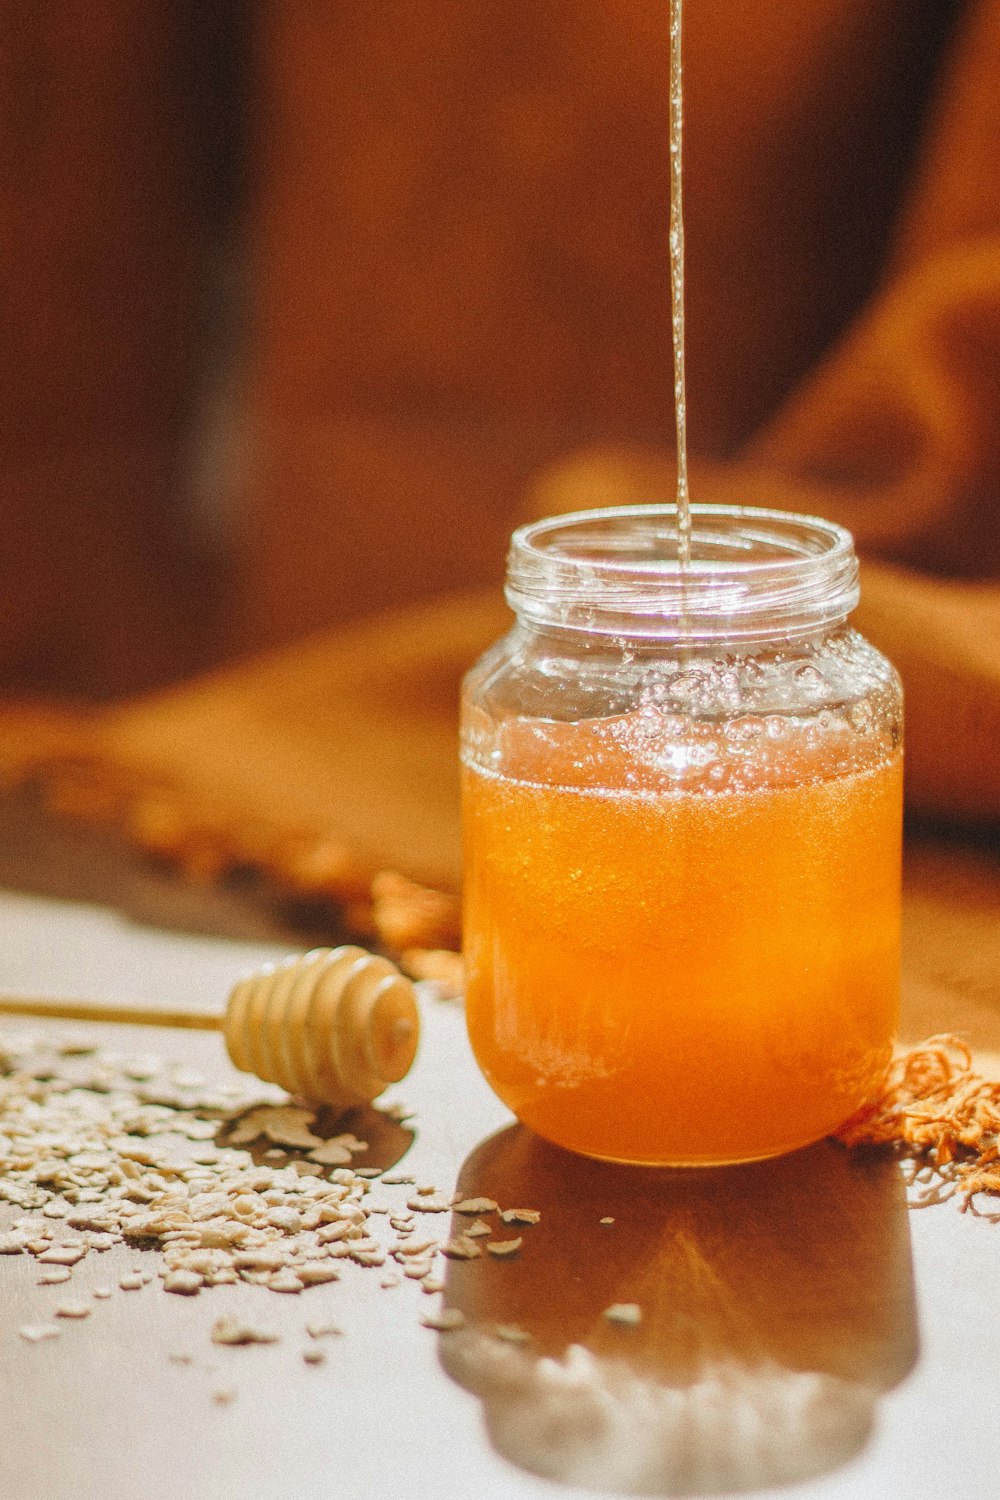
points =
(844, 327)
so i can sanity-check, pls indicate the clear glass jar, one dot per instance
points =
(682, 804)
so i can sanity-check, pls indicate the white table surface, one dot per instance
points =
(810, 1265)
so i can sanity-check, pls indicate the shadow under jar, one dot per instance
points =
(682, 804)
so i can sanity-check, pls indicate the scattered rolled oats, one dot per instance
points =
(416, 1270)
(185, 1283)
(446, 1321)
(439, 966)
(627, 1313)
(461, 1248)
(504, 1248)
(285, 1125)
(90, 1161)
(520, 1216)
(313, 1356)
(511, 1334)
(369, 1257)
(78, 1309)
(34, 1333)
(608, 1220)
(63, 1255)
(322, 1330)
(233, 1331)
(331, 1154)
(415, 1247)
(316, 1272)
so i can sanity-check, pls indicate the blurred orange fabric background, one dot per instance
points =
(304, 306)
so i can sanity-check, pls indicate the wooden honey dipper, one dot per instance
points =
(335, 1025)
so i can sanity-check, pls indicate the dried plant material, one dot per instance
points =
(397, 1179)
(432, 1284)
(11, 1244)
(234, 1331)
(314, 1356)
(433, 1203)
(407, 915)
(628, 1314)
(520, 1216)
(446, 1321)
(437, 966)
(388, 1282)
(74, 1309)
(511, 1334)
(935, 1110)
(477, 1229)
(102, 1293)
(35, 1333)
(285, 1125)
(475, 1206)
(224, 1395)
(504, 1248)
(607, 1220)
(55, 1277)
(461, 1248)
(131, 1283)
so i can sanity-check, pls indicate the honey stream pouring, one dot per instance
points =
(335, 1026)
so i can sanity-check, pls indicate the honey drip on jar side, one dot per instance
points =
(677, 281)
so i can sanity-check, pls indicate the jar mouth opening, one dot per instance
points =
(753, 573)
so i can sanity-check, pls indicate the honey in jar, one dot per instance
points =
(682, 792)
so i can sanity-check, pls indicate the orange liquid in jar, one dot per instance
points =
(681, 974)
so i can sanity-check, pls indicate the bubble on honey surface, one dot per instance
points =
(808, 679)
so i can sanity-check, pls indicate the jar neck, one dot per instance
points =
(573, 640)
(755, 577)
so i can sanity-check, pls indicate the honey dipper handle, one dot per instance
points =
(49, 1008)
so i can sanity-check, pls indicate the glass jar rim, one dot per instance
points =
(754, 574)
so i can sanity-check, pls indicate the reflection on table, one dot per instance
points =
(777, 1305)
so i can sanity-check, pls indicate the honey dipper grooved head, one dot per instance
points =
(335, 1025)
